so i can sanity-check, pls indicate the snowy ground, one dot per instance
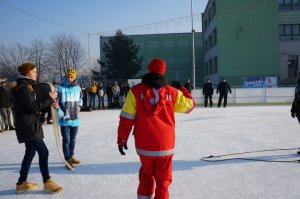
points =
(105, 174)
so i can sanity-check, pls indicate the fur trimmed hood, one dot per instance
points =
(154, 80)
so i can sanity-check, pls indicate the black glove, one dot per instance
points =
(293, 115)
(121, 147)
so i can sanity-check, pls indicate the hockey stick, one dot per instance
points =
(210, 158)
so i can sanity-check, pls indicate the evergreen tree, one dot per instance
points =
(120, 57)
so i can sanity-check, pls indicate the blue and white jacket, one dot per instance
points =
(70, 101)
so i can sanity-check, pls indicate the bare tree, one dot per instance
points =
(11, 56)
(65, 51)
(39, 56)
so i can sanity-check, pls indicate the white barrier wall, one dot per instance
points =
(251, 95)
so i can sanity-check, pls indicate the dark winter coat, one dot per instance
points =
(126, 90)
(5, 98)
(109, 92)
(296, 103)
(223, 88)
(208, 88)
(188, 86)
(27, 111)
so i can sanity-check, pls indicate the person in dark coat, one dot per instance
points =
(189, 86)
(223, 88)
(6, 108)
(109, 95)
(29, 128)
(295, 110)
(126, 88)
(84, 98)
(208, 91)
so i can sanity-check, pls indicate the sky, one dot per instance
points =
(24, 21)
(104, 173)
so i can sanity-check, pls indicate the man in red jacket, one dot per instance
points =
(150, 107)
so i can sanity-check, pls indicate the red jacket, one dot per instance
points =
(154, 123)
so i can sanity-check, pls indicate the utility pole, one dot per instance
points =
(89, 56)
(193, 47)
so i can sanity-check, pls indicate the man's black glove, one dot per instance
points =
(121, 148)
(293, 115)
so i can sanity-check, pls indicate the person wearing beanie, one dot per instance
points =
(70, 102)
(29, 131)
(149, 108)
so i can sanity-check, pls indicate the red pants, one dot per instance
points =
(155, 171)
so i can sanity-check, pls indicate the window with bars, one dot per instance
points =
(289, 32)
(289, 4)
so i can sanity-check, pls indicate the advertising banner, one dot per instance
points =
(259, 82)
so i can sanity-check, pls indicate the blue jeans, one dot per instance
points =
(32, 147)
(92, 101)
(68, 134)
(101, 102)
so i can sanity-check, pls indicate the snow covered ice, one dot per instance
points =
(105, 174)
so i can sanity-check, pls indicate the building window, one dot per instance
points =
(293, 66)
(289, 4)
(289, 32)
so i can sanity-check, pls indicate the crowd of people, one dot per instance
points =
(148, 107)
(97, 96)
(94, 97)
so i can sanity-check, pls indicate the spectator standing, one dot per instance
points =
(6, 108)
(116, 94)
(223, 88)
(92, 94)
(208, 91)
(189, 86)
(100, 94)
(29, 130)
(109, 95)
(295, 110)
(70, 101)
(84, 98)
(122, 95)
(126, 89)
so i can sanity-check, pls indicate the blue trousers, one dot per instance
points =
(68, 134)
(92, 101)
(32, 147)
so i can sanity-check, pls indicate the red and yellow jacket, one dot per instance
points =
(153, 121)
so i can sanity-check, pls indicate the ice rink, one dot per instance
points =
(105, 174)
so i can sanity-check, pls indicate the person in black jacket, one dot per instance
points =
(29, 128)
(189, 86)
(208, 91)
(6, 108)
(295, 110)
(223, 88)
(109, 95)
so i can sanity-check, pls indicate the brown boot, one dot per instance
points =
(74, 160)
(51, 187)
(25, 186)
(70, 163)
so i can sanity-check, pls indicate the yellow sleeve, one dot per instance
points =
(183, 104)
(129, 107)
